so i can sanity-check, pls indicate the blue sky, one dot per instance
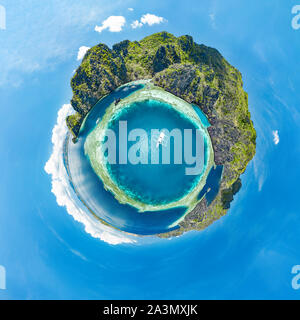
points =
(251, 251)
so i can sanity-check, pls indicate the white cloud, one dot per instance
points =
(275, 137)
(112, 23)
(136, 24)
(81, 52)
(130, 9)
(64, 193)
(149, 19)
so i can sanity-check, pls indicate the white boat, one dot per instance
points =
(160, 139)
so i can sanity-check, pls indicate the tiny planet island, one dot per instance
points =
(160, 135)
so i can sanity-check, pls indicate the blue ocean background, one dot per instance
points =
(248, 254)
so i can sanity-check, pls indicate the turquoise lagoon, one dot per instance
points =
(142, 199)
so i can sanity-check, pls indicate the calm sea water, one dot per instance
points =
(156, 183)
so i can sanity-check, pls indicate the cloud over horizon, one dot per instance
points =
(81, 52)
(65, 196)
(149, 19)
(276, 138)
(112, 23)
